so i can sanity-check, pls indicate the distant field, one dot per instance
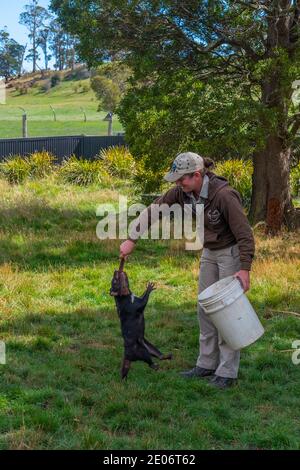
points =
(67, 104)
(12, 129)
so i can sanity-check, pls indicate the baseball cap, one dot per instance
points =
(184, 163)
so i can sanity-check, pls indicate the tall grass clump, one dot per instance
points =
(82, 172)
(239, 175)
(118, 161)
(40, 164)
(15, 169)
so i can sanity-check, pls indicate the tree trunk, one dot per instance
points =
(271, 199)
(46, 56)
(34, 58)
(73, 59)
(258, 209)
(278, 196)
(34, 46)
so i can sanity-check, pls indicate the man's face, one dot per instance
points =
(191, 182)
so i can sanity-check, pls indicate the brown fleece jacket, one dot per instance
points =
(225, 222)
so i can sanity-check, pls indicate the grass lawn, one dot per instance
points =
(61, 389)
(13, 129)
(67, 104)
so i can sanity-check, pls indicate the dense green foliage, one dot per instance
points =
(295, 180)
(171, 115)
(109, 82)
(239, 175)
(11, 55)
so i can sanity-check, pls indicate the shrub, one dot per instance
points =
(82, 172)
(118, 161)
(145, 179)
(85, 87)
(83, 74)
(55, 80)
(80, 73)
(23, 90)
(239, 175)
(46, 85)
(295, 180)
(15, 169)
(40, 164)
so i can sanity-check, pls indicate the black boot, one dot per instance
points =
(222, 382)
(197, 372)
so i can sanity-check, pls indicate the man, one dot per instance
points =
(228, 250)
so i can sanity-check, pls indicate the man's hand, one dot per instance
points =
(126, 248)
(245, 278)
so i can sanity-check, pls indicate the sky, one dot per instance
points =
(10, 17)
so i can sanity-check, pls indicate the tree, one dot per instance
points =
(56, 43)
(11, 55)
(43, 42)
(63, 46)
(109, 82)
(254, 43)
(70, 51)
(167, 114)
(34, 18)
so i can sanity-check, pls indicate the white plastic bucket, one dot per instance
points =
(231, 312)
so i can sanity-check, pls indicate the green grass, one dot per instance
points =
(12, 129)
(67, 104)
(61, 389)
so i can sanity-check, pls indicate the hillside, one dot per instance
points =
(35, 94)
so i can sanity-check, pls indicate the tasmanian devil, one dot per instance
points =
(131, 313)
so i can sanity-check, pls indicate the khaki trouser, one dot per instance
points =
(214, 352)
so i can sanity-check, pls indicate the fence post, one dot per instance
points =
(54, 113)
(109, 118)
(24, 126)
(24, 123)
(82, 146)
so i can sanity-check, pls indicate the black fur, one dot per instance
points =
(136, 348)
